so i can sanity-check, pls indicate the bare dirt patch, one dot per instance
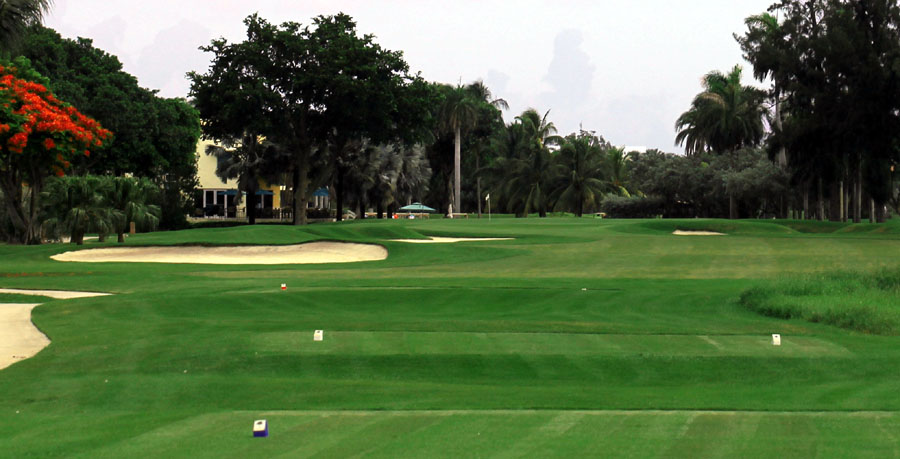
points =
(448, 240)
(696, 233)
(309, 253)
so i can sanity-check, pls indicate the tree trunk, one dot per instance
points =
(821, 202)
(456, 160)
(871, 210)
(732, 212)
(846, 200)
(362, 207)
(121, 237)
(33, 235)
(301, 185)
(805, 201)
(251, 207)
(478, 185)
(339, 194)
(77, 237)
(379, 208)
(857, 198)
(841, 216)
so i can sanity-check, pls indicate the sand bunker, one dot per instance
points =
(312, 252)
(696, 233)
(447, 240)
(21, 339)
(58, 294)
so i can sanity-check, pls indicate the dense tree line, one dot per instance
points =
(319, 104)
(834, 67)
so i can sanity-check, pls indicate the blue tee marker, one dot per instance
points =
(261, 428)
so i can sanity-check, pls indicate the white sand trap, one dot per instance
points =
(21, 339)
(312, 252)
(58, 294)
(696, 233)
(448, 240)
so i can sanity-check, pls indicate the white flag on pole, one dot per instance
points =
(488, 197)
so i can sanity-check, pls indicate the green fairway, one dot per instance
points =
(578, 337)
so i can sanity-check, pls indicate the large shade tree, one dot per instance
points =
(40, 136)
(155, 137)
(834, 64)
(317, 87)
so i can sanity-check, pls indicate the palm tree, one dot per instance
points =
(131, 198)
(525, 171)
(723, 118)
(761, 47)
(15, 17)
(75, 205)
(617, 173)
(413, 176)
(458, 113)
(538, 128)
(482, 94)
(244, 161)
(581, 183)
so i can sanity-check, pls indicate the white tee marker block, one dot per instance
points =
(776, 339)
(284, 286)
(318, 335)
(261, 428)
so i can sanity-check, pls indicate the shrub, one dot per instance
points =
(632, 207)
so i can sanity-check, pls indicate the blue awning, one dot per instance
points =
(321, 192)
(264, 193)
(227, 193)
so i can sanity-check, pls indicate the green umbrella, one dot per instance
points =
(417, 207)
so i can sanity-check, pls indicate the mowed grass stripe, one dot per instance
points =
(520, 433)
(506, 343)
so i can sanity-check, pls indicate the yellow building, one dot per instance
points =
(220, 198)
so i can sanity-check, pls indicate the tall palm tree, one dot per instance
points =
(723, 118)
(15, 17)
(581, 181)
(458, 113)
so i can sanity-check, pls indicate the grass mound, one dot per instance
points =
(864, 302)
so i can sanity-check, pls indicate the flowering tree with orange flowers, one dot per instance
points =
(39, 136)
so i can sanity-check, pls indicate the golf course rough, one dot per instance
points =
(576, 337)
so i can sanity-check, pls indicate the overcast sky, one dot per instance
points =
(623, 68)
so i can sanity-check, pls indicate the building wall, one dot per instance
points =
(206, 169)
(206, 174)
